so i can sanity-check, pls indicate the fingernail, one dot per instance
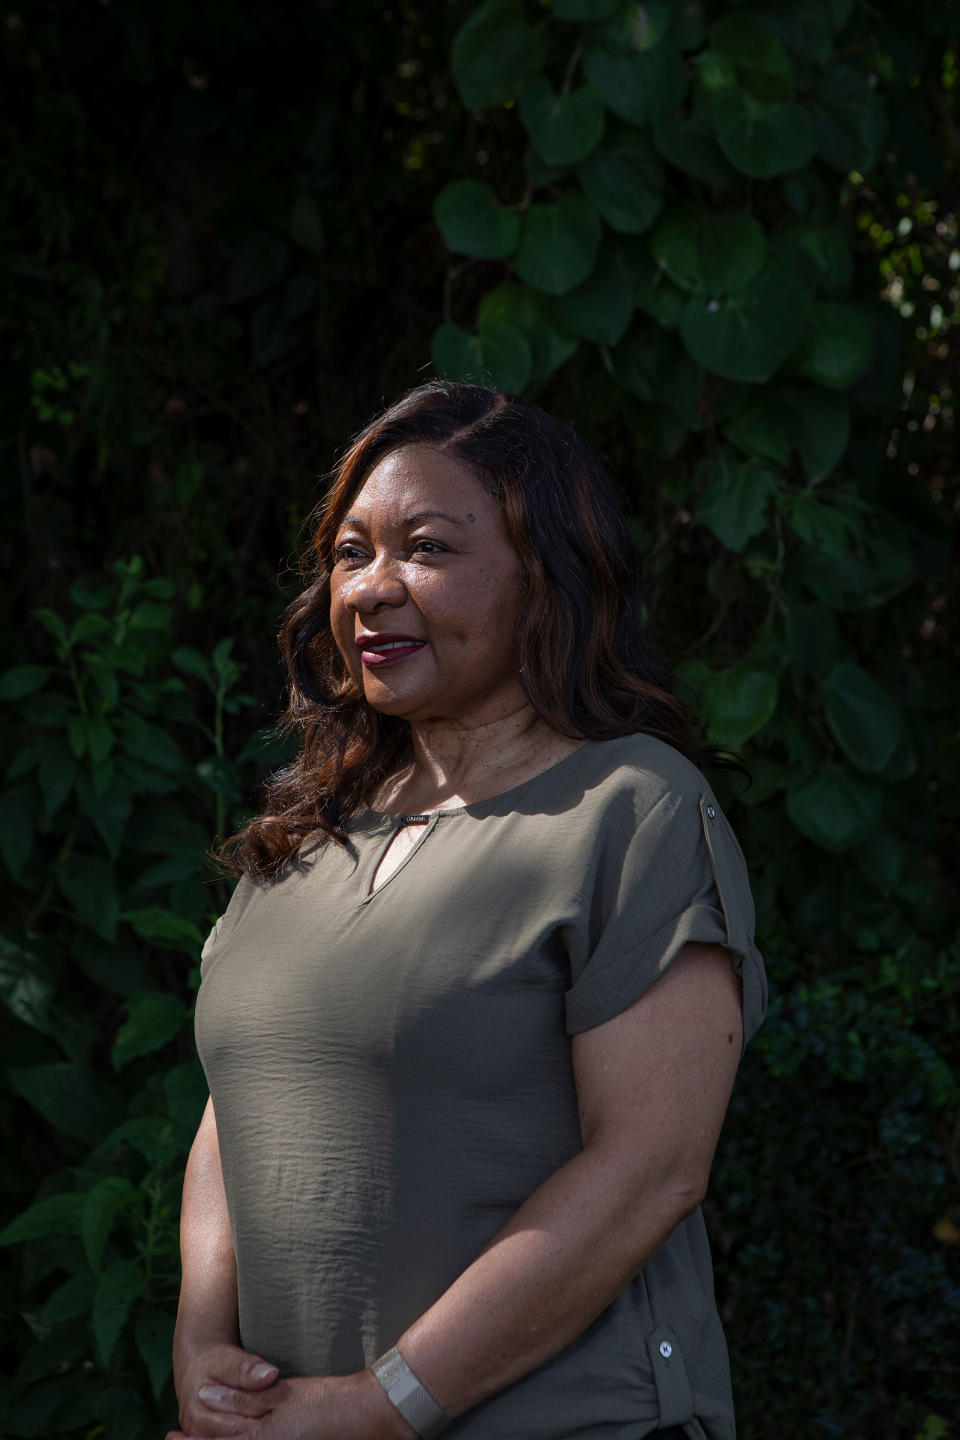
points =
(213, 1394)
(263, 1372)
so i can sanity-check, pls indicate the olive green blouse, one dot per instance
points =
(391, 1074)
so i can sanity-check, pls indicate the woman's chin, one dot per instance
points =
(393, 701)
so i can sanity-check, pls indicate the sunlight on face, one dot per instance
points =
(426, 579)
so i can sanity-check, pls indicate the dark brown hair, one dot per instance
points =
(583, 656)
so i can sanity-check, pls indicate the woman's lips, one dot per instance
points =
(389, 652)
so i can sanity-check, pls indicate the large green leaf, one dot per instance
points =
(624, 179)
(827, 246)
(559, 244)
(152, 1022)
(735, 497)
(836, 345)
(739, 702)
(655, 293)
(53, 1215)
(163, 928)
(90, 884)
(539, 175)
(760, 427)
(56, 769)
(675, 245)
(804, 27)
(780, 418)
(564, 128)
(472, 222)
(710, 252)
(824, 526)
(74, 1298)
(154, 1332)
(23, 680)
(71, 1096)
(498, 355)
(222, 776)
(864, 717)
(761, 139)
(759, 59)
(733, 250)
(530, 313)
(640, 358)
(601, 308)
(835, 809)
(493, 52)
(101, 1206)
(637, 85)
(108, 812)
(688, 141)
(121, 1286)
(150, 743)
(638, 25)
(748, 336)
(819, 425)
(185, 1091)
(848, 119)
(191, 662)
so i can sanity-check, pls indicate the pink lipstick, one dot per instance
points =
(387, 648)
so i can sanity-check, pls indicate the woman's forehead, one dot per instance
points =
(422, 478)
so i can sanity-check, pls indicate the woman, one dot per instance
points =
(472, 1018)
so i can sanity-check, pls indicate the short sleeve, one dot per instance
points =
(243, 893)
(675, 875)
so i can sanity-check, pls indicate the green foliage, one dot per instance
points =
(834, 1172)
(707, 235)
(727, 345)
(118, 763)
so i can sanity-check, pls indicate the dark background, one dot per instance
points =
(221, 257)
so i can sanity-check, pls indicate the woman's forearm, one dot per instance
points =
(558, 1263)
(653, 1086)
(208, 1295)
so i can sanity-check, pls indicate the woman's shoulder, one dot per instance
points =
(641, 765)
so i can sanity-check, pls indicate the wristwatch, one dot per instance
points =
(413, 1400)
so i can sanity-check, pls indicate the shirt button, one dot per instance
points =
(666, 1349)
(711, 812)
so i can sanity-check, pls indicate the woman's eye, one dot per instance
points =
(431, 547)
(346, 551)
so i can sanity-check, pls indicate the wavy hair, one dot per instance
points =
(584, 658)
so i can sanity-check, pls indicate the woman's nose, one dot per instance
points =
(378, 583)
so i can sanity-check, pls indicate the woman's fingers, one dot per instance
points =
(254, 1403)
(231, 1366)
(199, 1422)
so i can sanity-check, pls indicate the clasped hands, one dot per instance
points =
(224, 1391)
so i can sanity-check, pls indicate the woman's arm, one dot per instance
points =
(206, 1343)
(653, 1086)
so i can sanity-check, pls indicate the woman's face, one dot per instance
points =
(425, 591)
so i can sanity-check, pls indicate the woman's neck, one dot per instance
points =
(457, 765)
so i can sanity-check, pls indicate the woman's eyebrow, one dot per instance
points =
(359, 523)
